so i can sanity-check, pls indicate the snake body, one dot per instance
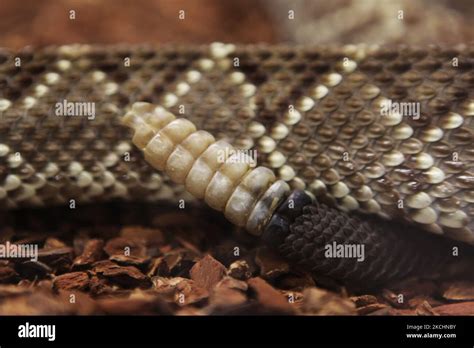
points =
(313, 115)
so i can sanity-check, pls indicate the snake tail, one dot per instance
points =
(301, 229)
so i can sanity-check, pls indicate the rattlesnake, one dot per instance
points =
(313, 115)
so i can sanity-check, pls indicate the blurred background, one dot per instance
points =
(32, 22)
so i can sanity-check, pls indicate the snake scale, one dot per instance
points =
(312, 115)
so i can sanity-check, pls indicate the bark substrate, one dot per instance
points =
(150, 259)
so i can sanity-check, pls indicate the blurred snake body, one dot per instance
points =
(313, 115)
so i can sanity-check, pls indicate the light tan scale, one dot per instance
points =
(209, 169)
(312, 114)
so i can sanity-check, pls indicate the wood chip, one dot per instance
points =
(269, 297)
(425, 309)
(123, 260)
(188, 245)
(8, 291)
(137, 302)
(367, 309)
(158, 267)
(322, 302)
(125, 276)
(270, 263)
(225, 252)
(463, 308)
(83, 304)
(35, 303)
(59, 259)
(232, 283)
(295, 298)
(386, 311)
(50, 255)
(178, 263)
(8, 275)
(207, 272)
(240, 270)
(227, 297)
(162, 282)
(413, 287)
(72, 281)
(459, 291)
(395, 300)
(92, 253)
(99, 286)
(189, 292)
(364, 300)
(33, 269)
(54, 243)
(189, 310)
(416, 301)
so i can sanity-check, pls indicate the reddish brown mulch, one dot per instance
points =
(145, 259)
(48, 22)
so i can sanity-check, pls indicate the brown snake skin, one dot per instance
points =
(312, 114)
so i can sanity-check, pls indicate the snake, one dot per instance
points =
(305, 147)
